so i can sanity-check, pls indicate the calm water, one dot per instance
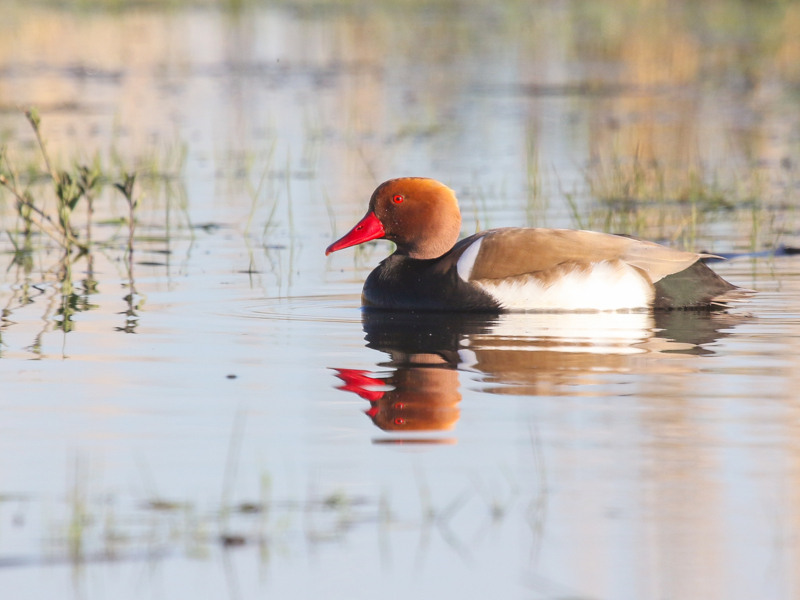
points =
(217, 418)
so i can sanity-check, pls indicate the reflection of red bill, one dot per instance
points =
(357, 381)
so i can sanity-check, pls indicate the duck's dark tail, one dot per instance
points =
(697, 287)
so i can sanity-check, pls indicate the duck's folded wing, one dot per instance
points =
(511, 252)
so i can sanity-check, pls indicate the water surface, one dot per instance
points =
(214, 416)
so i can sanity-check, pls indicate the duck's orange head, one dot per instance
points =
(420, 215)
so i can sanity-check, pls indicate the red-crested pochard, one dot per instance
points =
(514, 268)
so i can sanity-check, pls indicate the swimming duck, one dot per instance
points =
(515, 268)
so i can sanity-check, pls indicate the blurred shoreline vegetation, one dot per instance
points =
(744, 36)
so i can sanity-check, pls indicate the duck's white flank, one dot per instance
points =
(603, 286)
(467, 260)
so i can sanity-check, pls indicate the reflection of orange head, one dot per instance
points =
(424, 399)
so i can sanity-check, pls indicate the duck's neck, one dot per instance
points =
(423, 253)
(436, 239)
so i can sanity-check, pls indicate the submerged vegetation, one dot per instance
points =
(96, 525)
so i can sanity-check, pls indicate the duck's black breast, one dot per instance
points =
(404, 283)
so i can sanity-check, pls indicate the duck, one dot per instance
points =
(519, 268)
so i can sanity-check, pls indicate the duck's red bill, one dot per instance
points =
(368, 228)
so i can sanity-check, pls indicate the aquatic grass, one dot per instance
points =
(89, 183)
(617, 181)
(229, 477)
(39, 225)
(575, 211)
(313, 139)
(290, 216)
(79, 519)
(480, 206)
(69, 188)
(255, 193)
(677, 202)
(331, 213)
(536, 200)
(126, 189)
(32, 215)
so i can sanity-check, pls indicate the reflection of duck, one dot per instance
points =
(423, 398)
(528, 354)
(515, 268)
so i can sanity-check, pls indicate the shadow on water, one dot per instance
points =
(532, 354)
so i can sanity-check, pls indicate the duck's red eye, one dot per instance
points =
(399, 421)
(397, 199)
